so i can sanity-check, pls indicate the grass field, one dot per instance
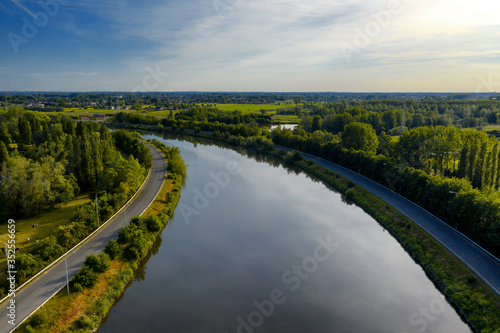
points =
(250, 108)
(286, 119)
(47, 223)
(491, 128)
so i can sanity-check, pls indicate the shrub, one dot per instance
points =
(76, 287)
(153, 224)
(112, 249)
(86, 277)
(83, 322)
(38, 319)
(131, 253)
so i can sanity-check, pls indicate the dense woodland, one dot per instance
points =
(47, 162)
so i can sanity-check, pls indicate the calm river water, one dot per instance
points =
(257, 247)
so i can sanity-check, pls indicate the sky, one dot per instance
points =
(250, 45)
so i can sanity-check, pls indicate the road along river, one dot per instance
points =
(257, 247)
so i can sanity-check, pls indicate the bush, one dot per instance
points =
(112, 249)
(86, 277)
(38, 319)
(76, 287)
(29, 329)
(83, 322)
(98, 264)
(131, 253)
(153, 224)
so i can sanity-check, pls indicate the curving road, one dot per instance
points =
(479, 260)
(32, 296)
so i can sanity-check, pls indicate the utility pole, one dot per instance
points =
(67, 278)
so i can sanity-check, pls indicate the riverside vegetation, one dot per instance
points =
(103, 278)
(473, 299)
(48, 163)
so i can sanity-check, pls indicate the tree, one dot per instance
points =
(297, 100)
(24, 131)
(463, 165)
(316, 123)
(478, 180)
(138, 107)
(4, 134)
(359, 136)
(493, 166)
(112, 248)
(86, 277)
(4, 154)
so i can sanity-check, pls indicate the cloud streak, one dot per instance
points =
(278, 45)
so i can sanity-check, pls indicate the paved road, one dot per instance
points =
(481, 262)
(37, 292)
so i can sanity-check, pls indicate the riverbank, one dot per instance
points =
(85, 308)
(473, 299)
(477, 303)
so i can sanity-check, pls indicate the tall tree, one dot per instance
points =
(478, 180)
(494, 165)
(359, 136)
(463, 164)
(4, 154)
(472, 160)
(24, 131)
(4, 134)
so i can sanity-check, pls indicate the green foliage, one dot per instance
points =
(153, 223)
(4, 154)
(175, 162)
(76, 287)
(86, 277)
(113, 249)
(130, 144)
(430, 154)
(360, 136)
(38, 319)
(31, 187)
(131, 253)
(27, 265)
(24, 131)
(98, 264)
(29, 329)
(48, 249)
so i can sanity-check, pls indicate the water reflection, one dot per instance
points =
(254, 260)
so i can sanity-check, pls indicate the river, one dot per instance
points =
(258, 247)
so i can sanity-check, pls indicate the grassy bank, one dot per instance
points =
(84, 310)
(27, 235)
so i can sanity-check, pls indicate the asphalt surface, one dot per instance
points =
(46, 285)
(479, 260)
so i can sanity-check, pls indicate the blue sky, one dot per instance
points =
(250, 45)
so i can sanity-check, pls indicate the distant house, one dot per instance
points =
(99, 117)
(84, 117)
